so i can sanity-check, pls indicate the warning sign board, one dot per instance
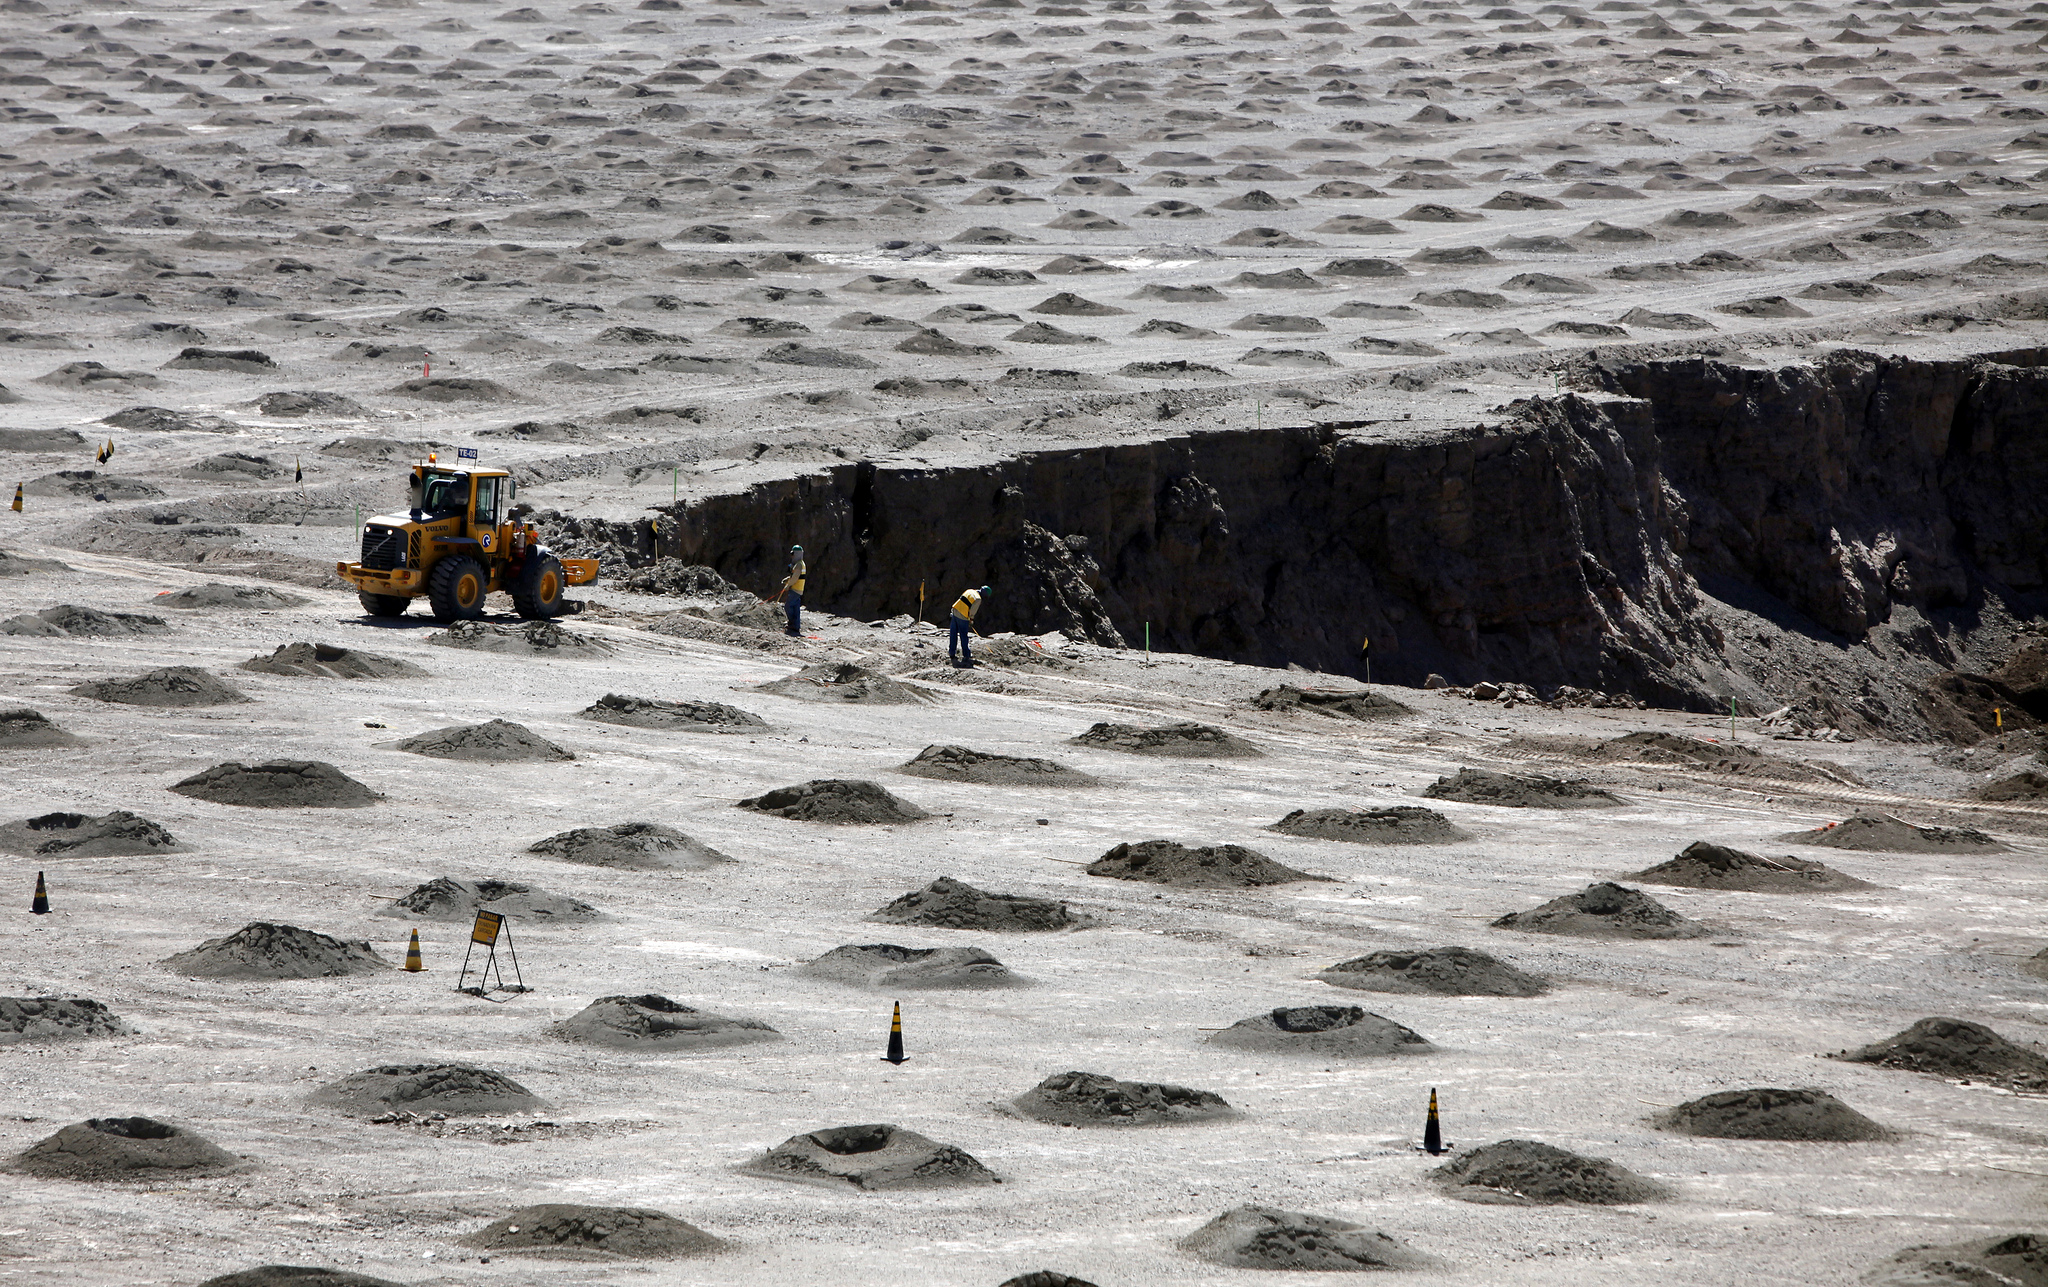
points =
(485, 931)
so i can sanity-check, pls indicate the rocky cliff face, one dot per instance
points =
(1682, 530)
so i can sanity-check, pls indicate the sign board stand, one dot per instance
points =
(490, 927)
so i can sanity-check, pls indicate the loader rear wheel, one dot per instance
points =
(384, 605)
(457, 587)
(538, 591)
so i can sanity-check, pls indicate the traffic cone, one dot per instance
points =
(895, 1054)
(1432, 1130)
(40, 906)
(17, 498)
(413, 964)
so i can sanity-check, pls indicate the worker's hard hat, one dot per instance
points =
(794, 548)
(984, 589)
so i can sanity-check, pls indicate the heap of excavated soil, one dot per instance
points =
(838, 800)
(1478, 786)
(1338, 1031)
(633, 846)
(12, 564)
(568, 1231)
(985, 768)
(1526, 1173)
(842, 681)
(871, 1157)
(1701, 865)
(1353, 705)
(1604, 910)
(56, 1019)
(447, 899)
(887, 966)
(74, 619)
(25, 729)
(1193, 741)
(297, 1276)
(1956, 1048)
(168, 686)
(494, 742)
(123, 1148)
(1045, 1278)
(2002, 1260)
(1092, 1099)
(262, 950)
(326, 661)
(649, 712)
(1438, 971)
(1165, 862)
(951, 904)
(533, 639)
(278, 784)
(216, 594)
(653, 1024)
(1884, 834)
(459, 1090)
(2026, 785)
(1403, 824)
(1770, 1114)
(1254, 1237)
(2036, 965)
(1728, 758)
(119, 834)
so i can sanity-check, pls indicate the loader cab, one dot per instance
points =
(480, 497)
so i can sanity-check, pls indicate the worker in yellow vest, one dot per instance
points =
(793, 587)
(964, 609)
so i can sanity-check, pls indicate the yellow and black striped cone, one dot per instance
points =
(895, 1053)
(40, 904)
(413, 964)
(1432, 1130)
(17, 498)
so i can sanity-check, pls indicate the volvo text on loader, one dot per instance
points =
(455, 546)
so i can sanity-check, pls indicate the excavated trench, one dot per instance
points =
(1683, 530)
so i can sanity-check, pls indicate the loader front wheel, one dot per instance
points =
(384, 605)
(538, 591)
(457, 588)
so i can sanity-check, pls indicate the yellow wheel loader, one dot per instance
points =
(454, 546)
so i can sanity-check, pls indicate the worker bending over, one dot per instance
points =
(793, 586)
(964, 609)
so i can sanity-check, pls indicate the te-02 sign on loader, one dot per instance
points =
(454, 546)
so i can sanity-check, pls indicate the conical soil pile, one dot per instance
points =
(842, 681)
(218, 594)
(278, 784)
(871, 1157)
(632, 846)
(1604, 910)
(1768, 1113)
(835, 800)
(1364, 705)
(1882, 833)
(1254, 1237)
(1437, 971)
(262, 950)
(649, 712)
(1045, 1278)
(122, 1148)
(1165, 862)
(533, 639)
(119, 834)
(1189, 741)
(985, 768)
(56, 1019)
(653, 1023)
(1402, 824)
(171, 686)
(1331, 1031)
(1956, 1048)
(494, 742)
(447, 899)
(573, 1232)
(952, 904)
(297, 1276)
(458, 1090)
(1478, 786)
(1701, 865)
(2003, 1260)
(889, 967)
(22, 728)
(327, 661)
(1526, 1173)
(1092, 1099)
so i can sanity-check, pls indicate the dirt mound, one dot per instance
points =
(448, 899)
(842, 681)
(56, 1019)
(654, 1023)
(326, 661)
(837, 800)
(1478, 786)
(1526, 1173)
(1045, 1278)
(22, 728)
(689, 580)
(1604, 910)
(215, 594)
(649, 712)
(2028, 784)
(1337, 1031)
(122, 1148)
(1165, 862)
(567, 1231)
(871, 1157)
(12, 564)
(1404, 824)
(262, 950)
(1255, 1237)
(533, 639)
(459, 1090)
(1701, 865)
(634, 846)
(887, 966)
(71, 619)
(495, 742)
(950, 904)
(2005, 1260)
(1438, 971)
(1956, 1048)
(1355, 705)
(297, 1276)
(74, 835)
(2036, 965)
(278, 784)
(1195, 741)
(985, 768)
(169, 686)
(1770, 1114)
(1092, 1099)
(1680, 751)
(1881, 833)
